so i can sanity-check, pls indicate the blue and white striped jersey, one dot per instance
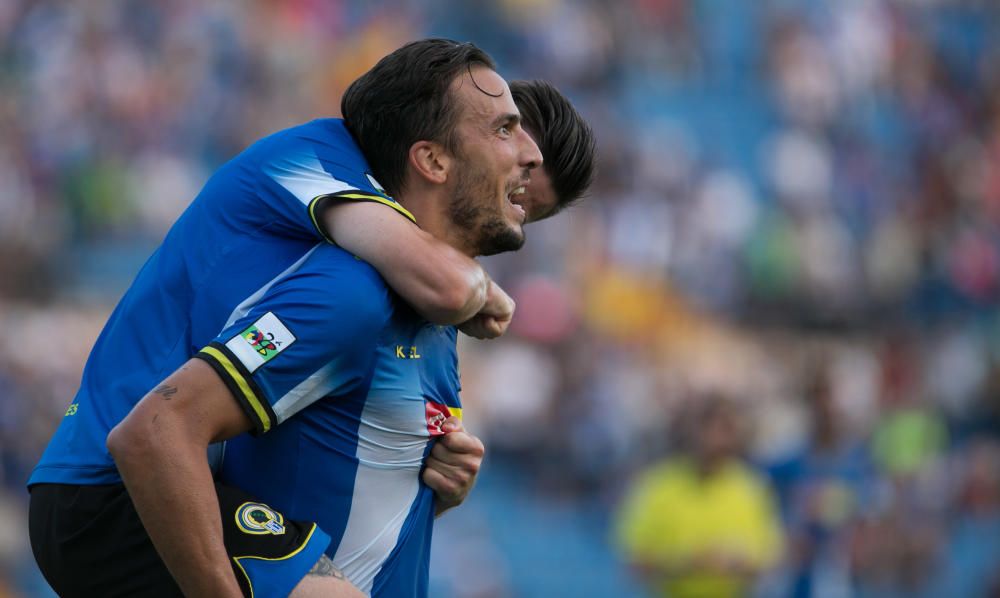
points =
(372, 383)
(246, 281)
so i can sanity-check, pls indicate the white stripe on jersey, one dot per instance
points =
(305, 393)
(392, 438)
(305, 178)
(247, 304)
(312, 388)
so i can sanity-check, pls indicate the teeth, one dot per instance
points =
(518, 191)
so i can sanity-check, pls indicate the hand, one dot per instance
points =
(484, 327)
(453, 464)
(495, 316)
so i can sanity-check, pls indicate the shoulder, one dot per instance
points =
(670, 469)
(743, 478)
(328, 296)
(339, 266)
(662, 476)
(344, 287)
(325, 137)
(319, 151)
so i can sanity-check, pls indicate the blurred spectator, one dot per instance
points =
(702, 523)
(823, 487)
(971, 553)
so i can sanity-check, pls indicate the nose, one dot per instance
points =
(530, 156)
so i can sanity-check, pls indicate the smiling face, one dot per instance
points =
(539, 199)
(494, 160)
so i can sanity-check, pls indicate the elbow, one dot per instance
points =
(119, 442)
(127, 445)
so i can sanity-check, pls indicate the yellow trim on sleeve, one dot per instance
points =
(237, 559)
(248, 392)
(358, 196)
(312, 216)
(381, 200)
(456, 411)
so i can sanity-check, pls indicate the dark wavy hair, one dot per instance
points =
(405, 98)
(569, 150)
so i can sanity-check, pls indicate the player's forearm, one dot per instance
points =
(445, 287)
(442, 284)
(169, 481)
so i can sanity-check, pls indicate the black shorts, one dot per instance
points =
(89, 542)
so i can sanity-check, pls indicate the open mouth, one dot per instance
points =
(513, 198)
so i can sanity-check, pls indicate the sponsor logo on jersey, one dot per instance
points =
(264, 342)
(261, 342)
(402, 352)
(256, 518)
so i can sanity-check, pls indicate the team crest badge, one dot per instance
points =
(436, 414)
(256, 518)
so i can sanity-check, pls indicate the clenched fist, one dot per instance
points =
(453, 465)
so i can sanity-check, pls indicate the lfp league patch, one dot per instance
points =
(261, 342)
(257, 518)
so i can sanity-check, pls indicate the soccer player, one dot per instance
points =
(178, 303)
(442, 284)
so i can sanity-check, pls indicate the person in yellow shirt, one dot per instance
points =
(702, 523)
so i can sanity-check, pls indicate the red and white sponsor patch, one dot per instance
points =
(436, 415)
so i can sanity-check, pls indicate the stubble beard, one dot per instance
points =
(484, 229)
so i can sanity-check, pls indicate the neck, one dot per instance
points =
(709, 465)
(430, 209)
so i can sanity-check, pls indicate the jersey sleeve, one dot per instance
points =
(308, 174)
(312, 334)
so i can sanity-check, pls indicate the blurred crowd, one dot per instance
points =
(797, 215)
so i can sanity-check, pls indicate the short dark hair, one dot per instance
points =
(565, 139)
(405, 98)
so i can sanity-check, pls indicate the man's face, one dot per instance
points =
(539, 199)
(494, 157)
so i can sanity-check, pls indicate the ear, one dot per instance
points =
(430, 161)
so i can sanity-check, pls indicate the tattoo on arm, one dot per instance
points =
(166, 391)
(324, 568)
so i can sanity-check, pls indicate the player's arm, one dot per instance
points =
(442, 284)
(160, 453)
(328, 315)
(159, 449)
